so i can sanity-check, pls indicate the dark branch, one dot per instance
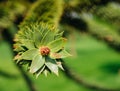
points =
(28, 81)
(8, 75)
(8, 37)
(74, 20)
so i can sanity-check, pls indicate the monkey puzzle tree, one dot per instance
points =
(38, 32)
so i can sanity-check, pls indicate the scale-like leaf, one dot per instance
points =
(45, 72)
(60, 65)
(37, 37)
(57, 44)
(28, 43)
(37, 63)
(48, 37)
(61, 54)
(18, 47)
(51, 64)
(40, 71)
(59, 35)
(30, 54)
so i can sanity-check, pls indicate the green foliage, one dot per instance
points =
(110, 13)
(101, 29)
(47, 11)
(39, 41)
(10, 13)
(92, 52)
(31, 43)
(4, 17)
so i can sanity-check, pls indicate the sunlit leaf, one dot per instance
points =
(51, 64)
(61, 54)
(37, 63)
(48, 36)
(37, 37)
(28, 44)
(60, 65)
(18, 47)
(57, 44)
(59, 35)
(45, 72)
(30, 54)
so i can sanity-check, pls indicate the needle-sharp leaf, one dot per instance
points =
(57, 44)
(37, 63)
(51, 64)
(30, 54)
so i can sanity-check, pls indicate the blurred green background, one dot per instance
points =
(93, 32)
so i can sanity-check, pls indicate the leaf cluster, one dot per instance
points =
(30, 39)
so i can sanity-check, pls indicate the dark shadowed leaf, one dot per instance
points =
(40, 71)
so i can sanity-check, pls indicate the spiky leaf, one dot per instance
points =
(57, 44)
(51, 64)
(37, 63)
(30, 54)
(40, 71)
(61, 54)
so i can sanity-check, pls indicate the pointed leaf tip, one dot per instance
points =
(37, 63)
(51, 64)
(61, 54)
(30, 54)
(57, 44)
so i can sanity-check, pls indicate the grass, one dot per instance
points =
(95, 62)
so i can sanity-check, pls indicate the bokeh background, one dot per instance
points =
(93, 31)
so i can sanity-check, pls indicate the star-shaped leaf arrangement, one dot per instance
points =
(40, 46)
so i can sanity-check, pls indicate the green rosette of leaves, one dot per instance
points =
(40, 46)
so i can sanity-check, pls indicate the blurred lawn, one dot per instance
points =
(93, 61)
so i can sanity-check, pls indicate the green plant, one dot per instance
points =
(41, 47)
(39, 44)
